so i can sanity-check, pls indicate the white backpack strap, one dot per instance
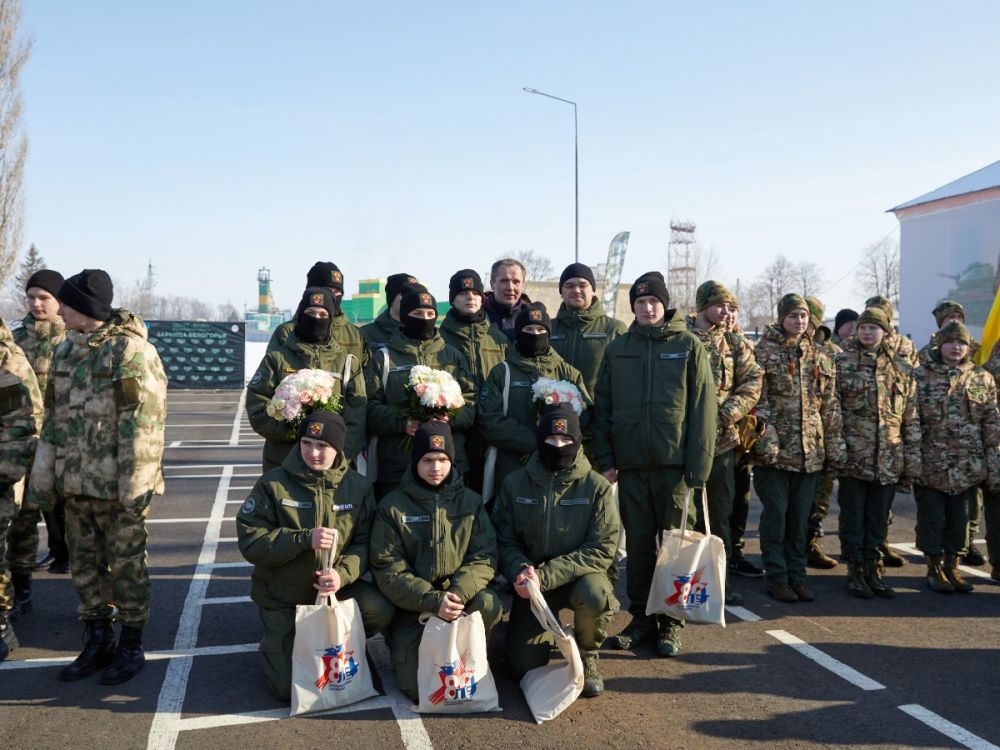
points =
(506, 386)
(346, 377)
(385, 367)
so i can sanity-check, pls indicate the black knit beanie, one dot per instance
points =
(432, 437)
(533, 314)
(325, 426)
(46, 279)
(577, 271)
(89, 292)
(415, 298)
(465, 280)
(558, 419)
(844, 316)
(650, 286)
(325, 274)
(394, 285)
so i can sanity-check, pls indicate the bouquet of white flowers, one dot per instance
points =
(302, 393)
(430, 393)
(546, 391)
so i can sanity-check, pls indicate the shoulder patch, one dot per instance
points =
(248, 506)
(257, 377)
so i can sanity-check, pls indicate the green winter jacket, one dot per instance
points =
(581, 336)
(290, 357)
(426, 542)
(343, 331)
(274, 528)
(483, 345)
(563, 523)
(379, 331)
(514, 434)
(656, 404)
(385, 404)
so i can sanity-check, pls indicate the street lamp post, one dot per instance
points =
(576, 166)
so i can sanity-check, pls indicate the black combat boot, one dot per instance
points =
(641, 630)
(129, 657)
(98, 651)
(875, 580)
(973, 557)
(21, 583)
(954, 577)
(8, 641)
(936, 579)
(856, 582)
(593, 683)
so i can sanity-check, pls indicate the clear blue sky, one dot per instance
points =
(217, 137)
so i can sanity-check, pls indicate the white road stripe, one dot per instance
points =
(209, 476)
(165, 726)
(220, 566)
(911, 549)
(216, 445)
(945, 727)
(379, 703)
(187, 520)
(229, 539)
(226, 600)
(237, 488)
(173, 426)
(234, 436)
(744, 614)
(175, 444)
(411, 727)
(56, 661)
(827, 662)
(231, 464)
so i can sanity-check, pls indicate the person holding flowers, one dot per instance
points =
(508, 422)
(396, 408)
(310, 346)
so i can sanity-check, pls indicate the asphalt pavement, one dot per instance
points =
(919, 671)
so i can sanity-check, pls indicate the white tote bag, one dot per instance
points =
(551, 689)
(490, 462)
(453, 673)
(329, 667)
(689, 581)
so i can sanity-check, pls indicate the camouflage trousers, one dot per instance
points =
(22, 545)
(821, 503)
(7, 512)
(107, 558)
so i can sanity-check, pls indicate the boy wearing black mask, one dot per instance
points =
(557, 525)
(512, 428)
(415, 342)
(309, 346)
(467, 328)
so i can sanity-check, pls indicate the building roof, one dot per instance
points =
(982, 179)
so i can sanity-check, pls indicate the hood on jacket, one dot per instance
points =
(592, 313)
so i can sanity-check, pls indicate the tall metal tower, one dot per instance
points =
(682, 266)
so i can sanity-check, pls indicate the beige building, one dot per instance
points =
(547, 292)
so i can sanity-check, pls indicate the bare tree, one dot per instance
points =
(14, 51)
(808, 278)
(878, 272)
(536, 265)
(706, 264)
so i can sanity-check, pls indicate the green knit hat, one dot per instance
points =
(816, 310)
(945, 308)
(791, 302)
(953, 331)
(882, 303)
(713, 293)
(875, 316)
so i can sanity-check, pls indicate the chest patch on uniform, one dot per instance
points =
(575, 501)
(674, 355)
(520, 383)
(416, 519)
(296, 504)
(401, 368)
(595, 335)
(248, 505)
(345, 506)
(559, 337)
(526, 501)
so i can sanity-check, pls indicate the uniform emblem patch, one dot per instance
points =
(425, 299)
(559, 426)
(535, 315)
(641, 288)
(437, 441)
(316, 299)
(467, 283)
(315, 429)
(257, 377)
(337, 276)
(248, 505)
(410, 280)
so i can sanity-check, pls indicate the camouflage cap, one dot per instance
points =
(945, 308)
(790, 302)
(875, 316)
(816, 311)
(953, 331)
(881, 302)
(713, 293)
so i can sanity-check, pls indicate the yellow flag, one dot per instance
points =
(991, 332)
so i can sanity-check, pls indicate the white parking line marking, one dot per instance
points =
(187, 520)
(175, 444)
(237, 488)
(827, 662)
(911, 549)
(223, 565)
(378, 703)
(234, 436)
(226, 600)
(229, 539)
(233, 464)
(945, 727)
(208, 476)
(56, 661)
(744, 614)
(411, 727)
(199, 426)
(164, 728)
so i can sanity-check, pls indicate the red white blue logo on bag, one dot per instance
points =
(339, 668)
(458, 683)
(690, 592)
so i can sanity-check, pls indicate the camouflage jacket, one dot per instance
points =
(798, 404)
(738, 379)
(38, 340)
(902, 346)
(959, 426)
(105, 414)
(20, 409)
(878, 404)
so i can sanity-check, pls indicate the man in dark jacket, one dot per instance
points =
(557, 525)
(655, 420)
(507, 277)
(379, 331)
(286, 522)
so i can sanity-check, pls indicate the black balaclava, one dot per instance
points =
(558, 419)
(419, 329)
(308, 328)
(532, 344)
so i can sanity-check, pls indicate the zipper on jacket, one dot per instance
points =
(550, 514)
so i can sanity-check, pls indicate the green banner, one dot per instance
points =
(199, 354)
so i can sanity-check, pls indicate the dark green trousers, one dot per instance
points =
(787, 497)
(975, 512)
(821, 503)
(721, 488)
(942, 521)
(651, 501)
(592, 599)
(279, 632)
(741, 500)
(404, 633)
(863, 518)
(991, 506)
